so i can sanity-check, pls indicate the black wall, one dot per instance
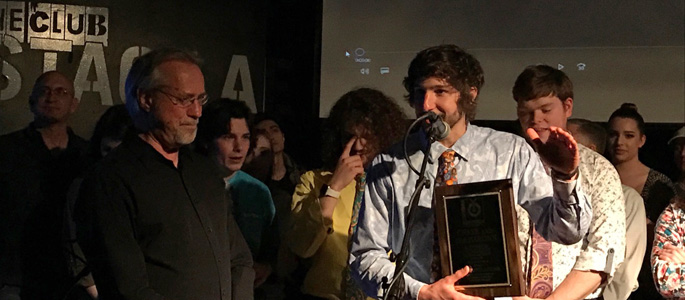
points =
(292, 75)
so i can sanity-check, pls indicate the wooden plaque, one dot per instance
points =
(477, 226)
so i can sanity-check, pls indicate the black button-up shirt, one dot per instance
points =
(33, 186)
(154, 231)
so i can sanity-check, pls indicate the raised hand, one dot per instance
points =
(348, 167)
(346, 170)
(447, 288)
(560, 152)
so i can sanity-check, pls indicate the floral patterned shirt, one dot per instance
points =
(603, 247)
(670, 229)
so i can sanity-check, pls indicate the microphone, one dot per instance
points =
(437, 128)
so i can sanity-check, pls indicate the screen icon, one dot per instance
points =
(364, 71)
(581, 66)
(385, 70)
(560, 66)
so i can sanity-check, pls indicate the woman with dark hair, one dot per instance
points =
(626, 137)
(326, 202)
(668, 251)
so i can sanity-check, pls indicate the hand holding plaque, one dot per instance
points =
(447, 288)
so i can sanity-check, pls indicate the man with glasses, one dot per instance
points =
(153, 218)
(37, 165)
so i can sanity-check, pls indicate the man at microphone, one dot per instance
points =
(446, 80)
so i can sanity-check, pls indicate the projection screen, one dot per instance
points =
(613, 51)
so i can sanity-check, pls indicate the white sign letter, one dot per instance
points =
(93, 54)
(9, 71)
(239, 87)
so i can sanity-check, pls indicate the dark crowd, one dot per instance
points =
(179, 196)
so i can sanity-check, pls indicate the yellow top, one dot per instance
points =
(323, 241)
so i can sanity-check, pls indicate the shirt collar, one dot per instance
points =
(463, 146)
(34, 135)
(148, 154)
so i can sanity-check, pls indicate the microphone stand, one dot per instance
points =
(395, 289)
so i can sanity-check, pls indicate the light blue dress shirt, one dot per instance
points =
(561, 210)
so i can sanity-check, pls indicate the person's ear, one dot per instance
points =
(144, 101)
(74, 104)
(474, 93)
(568, 106)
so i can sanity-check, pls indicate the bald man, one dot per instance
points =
(38, 163)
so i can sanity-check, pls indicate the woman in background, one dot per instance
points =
(626, 137)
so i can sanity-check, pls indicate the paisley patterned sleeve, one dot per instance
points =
(669, 277)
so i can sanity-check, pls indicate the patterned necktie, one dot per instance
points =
(351, 289)
(541, 267)
(447, 175)
(358, 196)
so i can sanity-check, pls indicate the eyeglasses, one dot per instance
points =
(57, 92)
(187, 101)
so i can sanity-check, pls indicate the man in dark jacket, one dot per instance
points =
(37, 165)
(153, 216)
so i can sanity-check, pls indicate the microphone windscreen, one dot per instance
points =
(443, 130)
